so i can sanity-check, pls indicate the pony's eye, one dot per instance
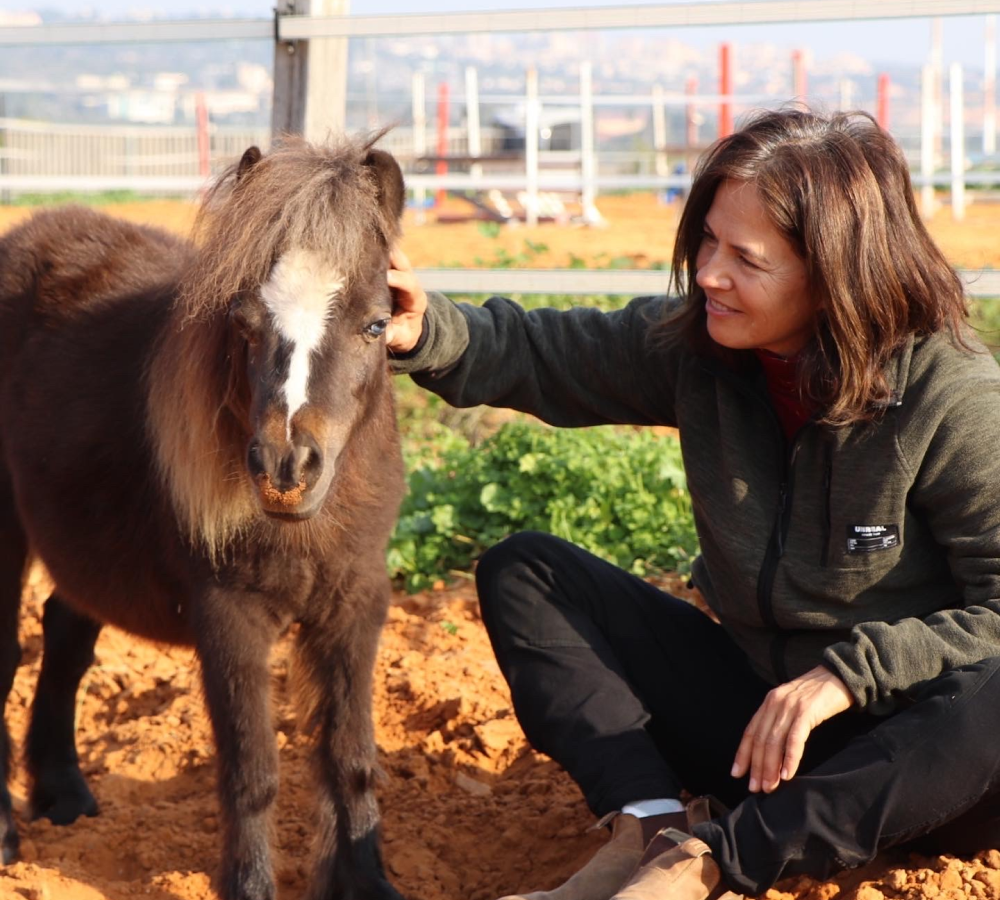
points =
(247, 322)
(375, 330)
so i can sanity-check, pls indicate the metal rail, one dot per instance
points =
(668, 15)
(163, 31)
(672, 15)
(632, 282)
(555, 182)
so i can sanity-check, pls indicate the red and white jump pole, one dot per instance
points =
(927, 122)
(691, 114)
(441, 167)
(882, 104)
(799, 87)
(990, 88)
(475, 138)
(204, 146)
(726, 90)
(532, 118)
(957, 110)
(419, 136)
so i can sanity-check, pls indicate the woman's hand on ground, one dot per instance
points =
(775, 739)
(408, 306)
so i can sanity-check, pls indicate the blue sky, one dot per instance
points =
(901, 40)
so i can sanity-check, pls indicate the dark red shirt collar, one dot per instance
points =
(783, 389)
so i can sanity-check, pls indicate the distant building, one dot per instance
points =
(558, 129)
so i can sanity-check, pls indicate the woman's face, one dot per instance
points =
(755, 284)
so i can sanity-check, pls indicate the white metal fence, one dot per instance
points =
(49, 150)
(624, 282)
(42, 156)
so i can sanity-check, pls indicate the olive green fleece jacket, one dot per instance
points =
(872, 548)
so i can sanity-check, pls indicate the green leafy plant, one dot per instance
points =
(489, 230)
(102, 198)
(986, 321)
(620, 493)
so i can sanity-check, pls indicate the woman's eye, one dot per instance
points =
(377, 328)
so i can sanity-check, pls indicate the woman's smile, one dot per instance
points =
(716, 308)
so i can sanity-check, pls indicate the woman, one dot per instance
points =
(839, 426)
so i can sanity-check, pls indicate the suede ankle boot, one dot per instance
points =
(608, 869)
(676, 866)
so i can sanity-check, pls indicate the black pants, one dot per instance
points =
(638, 695)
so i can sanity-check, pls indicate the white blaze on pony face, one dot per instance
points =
(299, 295)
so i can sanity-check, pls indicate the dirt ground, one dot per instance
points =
(470, 812)
(637, 226)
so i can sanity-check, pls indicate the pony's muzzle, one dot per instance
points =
(285, 473)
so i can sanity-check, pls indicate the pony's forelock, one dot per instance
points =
(253, 214)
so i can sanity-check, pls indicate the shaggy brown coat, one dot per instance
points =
(139, 396)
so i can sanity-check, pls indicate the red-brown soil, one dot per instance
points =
(637, 226)
(470, 812)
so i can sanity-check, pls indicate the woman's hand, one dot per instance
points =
(409, 304)
(775, 739)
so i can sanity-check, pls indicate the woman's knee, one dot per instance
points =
(509, 559)
(517, 576)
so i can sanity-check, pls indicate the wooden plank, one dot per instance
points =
(310, 76)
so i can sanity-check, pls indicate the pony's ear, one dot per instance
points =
(250, 158)
(389, 178)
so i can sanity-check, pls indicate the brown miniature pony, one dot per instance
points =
(200, 444)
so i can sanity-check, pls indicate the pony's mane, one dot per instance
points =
(299, 195)
(197, 442)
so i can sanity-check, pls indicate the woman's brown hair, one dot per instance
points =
(838, 188)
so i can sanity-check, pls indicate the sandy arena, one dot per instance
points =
(470, 812)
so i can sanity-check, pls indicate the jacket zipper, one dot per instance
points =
(779, 533)
(772, 555)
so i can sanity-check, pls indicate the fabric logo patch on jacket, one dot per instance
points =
(870, 538)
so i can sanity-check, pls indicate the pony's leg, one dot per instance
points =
(13, 555)
(59, 791)
(339, 667)
(234, 639)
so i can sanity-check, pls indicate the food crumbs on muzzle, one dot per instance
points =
(272, 495)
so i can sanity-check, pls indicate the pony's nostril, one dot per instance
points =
(308, 456)
(308, 462)
(255, 459)
(313, 463)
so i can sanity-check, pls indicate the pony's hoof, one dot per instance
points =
(382, 890)
(9, 847)
(62, 798)
(368, 889)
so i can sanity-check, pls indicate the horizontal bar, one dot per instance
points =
(547, 181)
(571, 181)
(672, 15)
(545, 281)
(45, 184)
(630, 282)
(559, 182)
(161, 31)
